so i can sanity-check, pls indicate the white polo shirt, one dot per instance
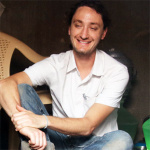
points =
(72, 97)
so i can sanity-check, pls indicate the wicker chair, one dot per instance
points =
(8, 45)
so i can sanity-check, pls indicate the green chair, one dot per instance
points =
(127, 122)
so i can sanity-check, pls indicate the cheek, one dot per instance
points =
(95, 35)
(97, 38)
(71, 33)
(74, 31)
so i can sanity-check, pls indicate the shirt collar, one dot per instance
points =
(72, 64)
(97, 70)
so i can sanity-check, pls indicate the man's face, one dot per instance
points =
(86, 30)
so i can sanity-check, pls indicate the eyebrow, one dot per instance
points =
(77, 21)
(92, 23)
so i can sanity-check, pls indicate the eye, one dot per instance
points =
(77, 25)
(94, 28)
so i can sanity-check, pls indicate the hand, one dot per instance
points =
(37, 138)
(25, 118)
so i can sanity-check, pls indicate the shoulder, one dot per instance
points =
(60, 58)
(57, 60)
(111, 66)
(110, 61)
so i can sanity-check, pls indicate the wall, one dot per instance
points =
(42, 26)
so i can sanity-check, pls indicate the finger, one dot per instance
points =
(44, 141)
(21, 123)
(17, 116)
(34, 147)
(16, 119)
(36, 141)
(20, 109)
(32, 141)
(18, 127)
(39, 141)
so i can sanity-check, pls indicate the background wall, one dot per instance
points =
(41, 24)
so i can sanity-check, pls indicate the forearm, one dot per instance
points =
(70, 126)
(81, 126)
(8, 99)
(9, 96)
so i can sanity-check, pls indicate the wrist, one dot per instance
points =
(46, 118)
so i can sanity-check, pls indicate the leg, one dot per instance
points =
(61, 141)
(116, 140)
(30, 101)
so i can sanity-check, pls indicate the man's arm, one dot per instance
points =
(81, 126)
(9, 95)
(9, 99)
(71, 126)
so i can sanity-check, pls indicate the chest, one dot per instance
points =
(79, 95)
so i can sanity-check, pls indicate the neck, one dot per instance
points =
(84, 63)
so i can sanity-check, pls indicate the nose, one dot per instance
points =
(84, 33)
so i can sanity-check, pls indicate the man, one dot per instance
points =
(86, 86)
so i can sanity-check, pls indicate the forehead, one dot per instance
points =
(87, 14)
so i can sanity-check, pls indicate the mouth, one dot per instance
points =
(84, 42)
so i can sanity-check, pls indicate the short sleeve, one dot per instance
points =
(40, 72)
(114, 88)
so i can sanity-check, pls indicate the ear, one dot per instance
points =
(104, 34)
(69, 30)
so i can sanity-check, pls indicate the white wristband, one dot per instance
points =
(46, 121)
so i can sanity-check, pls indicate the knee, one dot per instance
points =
(120, 140)
(125, 140)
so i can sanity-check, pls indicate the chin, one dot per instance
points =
(84, 52)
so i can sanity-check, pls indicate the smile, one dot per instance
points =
(84, 42)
